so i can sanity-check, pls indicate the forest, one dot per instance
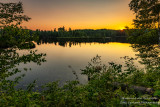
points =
(86, 33)
(108, 85)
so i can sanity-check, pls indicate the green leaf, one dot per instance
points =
(157, 93)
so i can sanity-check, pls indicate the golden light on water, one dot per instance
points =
(115, 50)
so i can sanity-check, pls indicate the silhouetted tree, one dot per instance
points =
(12, 13)
(147, 13)
(61, 29)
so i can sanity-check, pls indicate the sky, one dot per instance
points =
(77, 14)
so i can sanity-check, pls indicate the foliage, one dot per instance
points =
(147, 13)
(13, 38)
(149, 54)
(86, 33)
(146, 22)
(16, 36)
(12, 13)
(142, 36)
(100, 90)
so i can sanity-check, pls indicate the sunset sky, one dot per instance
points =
(77, 14)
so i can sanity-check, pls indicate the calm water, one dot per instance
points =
(75, 55)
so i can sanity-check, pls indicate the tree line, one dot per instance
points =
(79, 33)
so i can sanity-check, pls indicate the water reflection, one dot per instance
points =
(78, 41)
(64, 60)
(149, 55)
(9, 61)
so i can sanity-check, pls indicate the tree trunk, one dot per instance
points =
(159, 28)
(159, 35)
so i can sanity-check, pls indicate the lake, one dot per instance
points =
(77, 55)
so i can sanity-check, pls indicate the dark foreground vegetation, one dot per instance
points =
(105, 86)
(11, 36)
(143, 36)
(108, 86)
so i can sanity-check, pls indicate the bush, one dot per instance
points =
(100, 90)
(16, 36)
(142, 36)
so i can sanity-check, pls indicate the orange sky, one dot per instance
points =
(77, 14)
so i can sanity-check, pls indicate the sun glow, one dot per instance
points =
(73, 15)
